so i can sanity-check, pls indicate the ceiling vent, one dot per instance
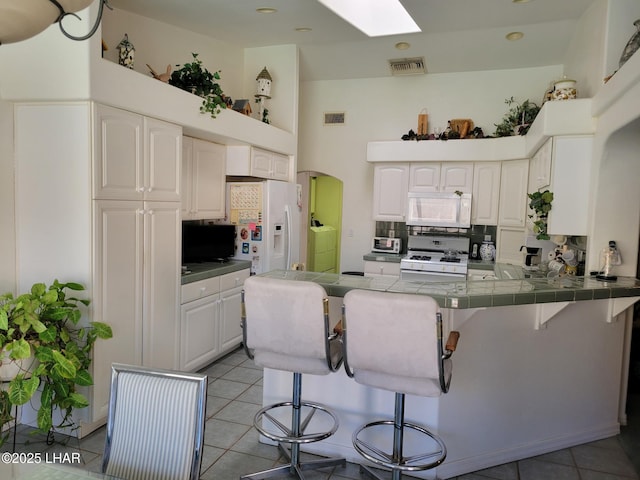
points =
(334, 118)
(407, 66)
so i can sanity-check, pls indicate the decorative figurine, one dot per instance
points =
(163, 77)
(126, 52)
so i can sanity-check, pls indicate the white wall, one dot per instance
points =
(7, 205)
(160, 44)
(585, 58)
(385, 109)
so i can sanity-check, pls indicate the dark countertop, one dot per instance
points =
(202, 271)
(486, 293)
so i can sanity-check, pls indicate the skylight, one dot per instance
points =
(375, 18)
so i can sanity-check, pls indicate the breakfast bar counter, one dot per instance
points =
(541, 365)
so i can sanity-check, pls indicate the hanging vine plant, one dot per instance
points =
(194, 78)
(540, 203)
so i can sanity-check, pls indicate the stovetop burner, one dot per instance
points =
(425, 258)
(450, 259)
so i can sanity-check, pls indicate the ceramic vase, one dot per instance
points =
(632, 45)
(487, 251)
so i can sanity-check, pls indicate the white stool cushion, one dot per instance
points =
(391, 341)
(285, 325)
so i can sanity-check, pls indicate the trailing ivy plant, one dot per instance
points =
(45, 322)
(540, 203)
(518, 118)
(194, 78)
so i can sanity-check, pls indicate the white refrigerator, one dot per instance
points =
(267, 219)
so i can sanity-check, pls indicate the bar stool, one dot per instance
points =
(286, 327)
(393, 341)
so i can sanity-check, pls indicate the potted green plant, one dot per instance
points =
(44, 323)
(518, 118)
(540, 203)
(194, 78)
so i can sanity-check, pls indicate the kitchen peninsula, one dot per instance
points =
(538, 368)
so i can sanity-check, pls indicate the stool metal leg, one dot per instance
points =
(295, 436)
(395, 460)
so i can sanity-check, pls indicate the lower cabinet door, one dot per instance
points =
(231, 311)
(198, 332)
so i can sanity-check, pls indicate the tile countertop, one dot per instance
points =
(486, 293)
(202, 271)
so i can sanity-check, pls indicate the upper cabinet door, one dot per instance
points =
(208, 179)
(163, 154)
(135, 158)
(424, 177)
(456, 177)
(390, 183)
(118, 154)
(513, 193)
(486, 193)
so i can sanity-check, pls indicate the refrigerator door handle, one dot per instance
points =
(287, 218)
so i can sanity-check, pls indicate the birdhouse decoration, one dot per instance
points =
(264, 84)
(263, 92)
(126, 52)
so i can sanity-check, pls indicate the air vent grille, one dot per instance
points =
(334, 118)
(407, 66)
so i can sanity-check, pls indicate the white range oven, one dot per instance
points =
(435, 259)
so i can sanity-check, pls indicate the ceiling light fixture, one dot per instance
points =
(26, 18)
(403, 45)
(375, 18)
(266, 10)
(513, 36)
(520, 1)
(303, 29)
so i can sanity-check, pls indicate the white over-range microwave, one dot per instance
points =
(439, 210)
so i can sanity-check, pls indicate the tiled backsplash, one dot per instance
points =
(475, 233)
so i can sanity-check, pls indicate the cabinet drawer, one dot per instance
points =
(233, 279)
(203, 288)
(381, 268)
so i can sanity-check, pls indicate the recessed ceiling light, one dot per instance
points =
(266, 10)
(374, 19)
(520, 1)
(403, 45)
(513, 36)
(303, 29)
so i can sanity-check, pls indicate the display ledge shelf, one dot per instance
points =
(570, 117)
(150, 97)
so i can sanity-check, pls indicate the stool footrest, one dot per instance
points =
(288, 435)
(418, 462)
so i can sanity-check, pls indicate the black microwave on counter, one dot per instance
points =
(207, 243)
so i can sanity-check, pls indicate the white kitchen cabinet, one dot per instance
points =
(441, 177)
(135, 157)
(570, 183)
(381, 269)
(486, 193)
(508, 244)
(210, 319)
(124, 250)
(203, 179)
(136, 287)
(244, 160)
(513, 193)
(390, 190)
(540, 167)
(424, 177)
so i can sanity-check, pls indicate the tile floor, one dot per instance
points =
(232, 448)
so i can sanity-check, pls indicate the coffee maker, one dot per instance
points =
(536, 251)
(531, 257)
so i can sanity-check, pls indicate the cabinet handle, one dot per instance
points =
(141, 189)
(149, 189)
(150, 212)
